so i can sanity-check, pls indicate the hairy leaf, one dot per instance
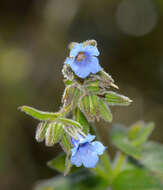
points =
(93, 86)
(105, 111)
(70, 122)
(85, 107)
(94, 104)
(37, 114)
(79, 117)
(71, 96)
(113, 99)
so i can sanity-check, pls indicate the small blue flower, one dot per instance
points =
(83, 60)
(86, 152)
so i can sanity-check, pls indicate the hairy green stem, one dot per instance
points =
(119, 164)
(65, 110)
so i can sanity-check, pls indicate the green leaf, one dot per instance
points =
(40, 115)
(93, 86)
(105, 77)
(118, 135)
(85, 107)
(105, 111)
(70, 122)
(94, 104)
(136, 179)
(71, 96)
(40, 131)
(62, 164)
(66, 143)
(135, 129)
(89, 105)
(81, 180)
(76, 94)
(55, 183)
(79, 117)
(58, 163)
(113, 99)
(152, 157)
(143, 134)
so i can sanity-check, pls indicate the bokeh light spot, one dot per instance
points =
(136, 17)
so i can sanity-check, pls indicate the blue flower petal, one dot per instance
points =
(80, 69)
(76, 49)
(84, 68)
(91, 50)
(75, 142)
(89, 138)
(74, 150)
(82, 139)
(75, 67)
(69, 61)
(76, 159)
(88, 156)
(94, 65)
(98, 147)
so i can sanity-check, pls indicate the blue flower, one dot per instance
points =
(83, 60)
(86, 152)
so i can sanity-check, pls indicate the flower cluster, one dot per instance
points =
(83, 62)
(87, 97)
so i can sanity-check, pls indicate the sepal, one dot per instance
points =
(41, 131)
(54, 133)
(67, 72)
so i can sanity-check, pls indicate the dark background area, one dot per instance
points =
(34, 35)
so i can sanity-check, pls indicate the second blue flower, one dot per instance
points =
(86, 152)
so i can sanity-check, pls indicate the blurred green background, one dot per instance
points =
(34, 35)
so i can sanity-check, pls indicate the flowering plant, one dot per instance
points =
(88, 97)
